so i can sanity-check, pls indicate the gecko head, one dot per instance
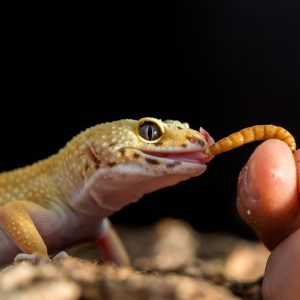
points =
(130, 158)
(149, 147)
(170, 147)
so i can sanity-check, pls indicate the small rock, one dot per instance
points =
(246, 262)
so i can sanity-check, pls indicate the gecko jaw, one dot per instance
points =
(194, 157)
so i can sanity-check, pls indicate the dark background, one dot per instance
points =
(223, 65)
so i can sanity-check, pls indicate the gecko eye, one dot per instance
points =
(150, 131)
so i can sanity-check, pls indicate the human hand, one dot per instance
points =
(268, 200)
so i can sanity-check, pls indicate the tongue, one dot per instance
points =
(209, 139)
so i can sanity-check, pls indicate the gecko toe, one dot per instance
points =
(58, 256)
(34, 259)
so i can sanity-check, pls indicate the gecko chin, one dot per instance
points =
(118, 186)
(111, 188)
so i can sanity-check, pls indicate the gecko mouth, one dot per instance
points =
(194, 157)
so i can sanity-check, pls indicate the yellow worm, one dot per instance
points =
(250, 134)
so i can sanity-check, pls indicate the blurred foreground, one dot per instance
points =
(170, 261)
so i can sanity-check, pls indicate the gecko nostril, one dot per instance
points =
(201, 143)
(195, 140)
(191, 139)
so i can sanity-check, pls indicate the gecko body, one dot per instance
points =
(66, 198)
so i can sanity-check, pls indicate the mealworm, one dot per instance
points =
(250, 134)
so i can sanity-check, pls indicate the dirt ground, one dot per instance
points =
(170, 261)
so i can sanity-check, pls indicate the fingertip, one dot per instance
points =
(267, 190)
(274, 172)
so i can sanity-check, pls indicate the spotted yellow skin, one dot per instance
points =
(42, 204)
(58, 175)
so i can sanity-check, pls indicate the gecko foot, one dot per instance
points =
(38, 260)
(34, 259)
(61, 254)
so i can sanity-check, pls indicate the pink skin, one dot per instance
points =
(207, 136)
(268, 200)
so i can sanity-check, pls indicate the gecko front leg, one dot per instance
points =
(17, 220)
(110, 245)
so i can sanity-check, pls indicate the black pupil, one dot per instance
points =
(150, 131)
